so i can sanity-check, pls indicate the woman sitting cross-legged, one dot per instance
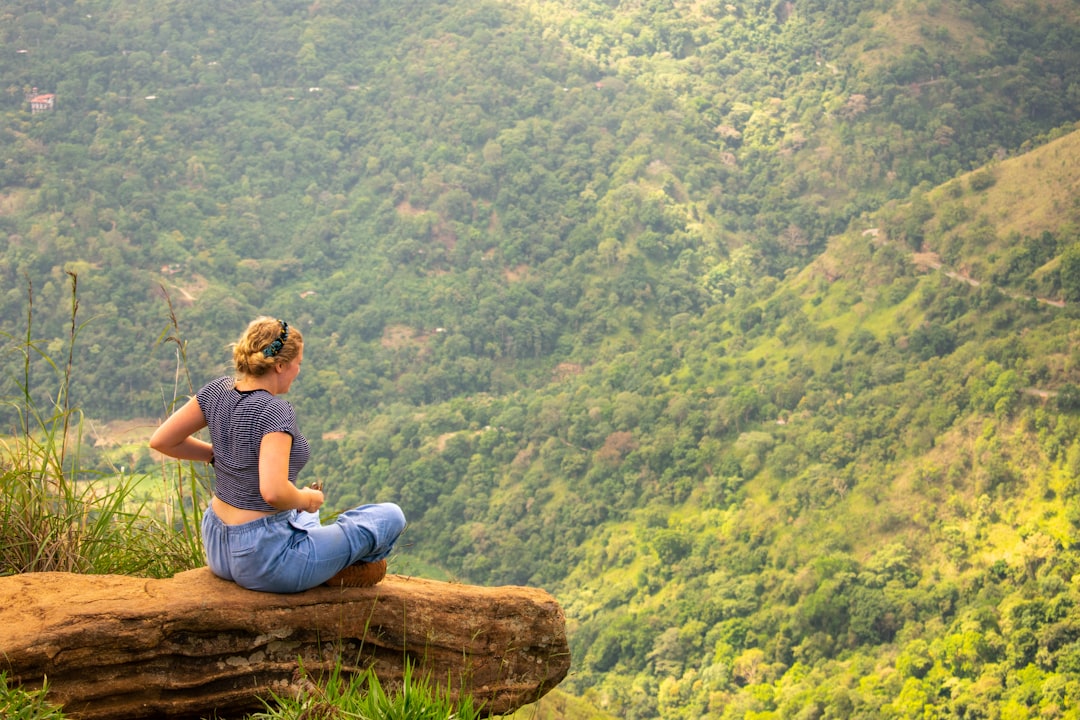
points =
(261, 530)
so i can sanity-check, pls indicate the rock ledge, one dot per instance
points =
(113, 646)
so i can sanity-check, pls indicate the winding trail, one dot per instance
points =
(931, 261)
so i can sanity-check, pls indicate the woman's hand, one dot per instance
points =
(314, 499)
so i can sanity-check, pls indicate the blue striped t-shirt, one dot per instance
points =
(237, 422)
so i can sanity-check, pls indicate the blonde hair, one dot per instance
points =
(250, 356)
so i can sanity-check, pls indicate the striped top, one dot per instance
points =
(237, 422)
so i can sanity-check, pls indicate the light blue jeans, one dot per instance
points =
(292, 551)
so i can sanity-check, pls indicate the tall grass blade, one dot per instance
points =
(55, 514)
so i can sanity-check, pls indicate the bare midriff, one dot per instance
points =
(236, 516)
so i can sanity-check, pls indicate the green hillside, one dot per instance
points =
(745, 329)
(854, 490)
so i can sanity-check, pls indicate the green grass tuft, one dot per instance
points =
(362, 697)
(18, 704)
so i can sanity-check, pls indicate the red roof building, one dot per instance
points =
(42, 103)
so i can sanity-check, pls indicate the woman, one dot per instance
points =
(261, 530)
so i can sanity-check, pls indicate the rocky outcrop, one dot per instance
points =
(113, 646)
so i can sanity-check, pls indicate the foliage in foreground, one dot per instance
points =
(357, 697)
(18, 704)
(58, 514)
(363, 697)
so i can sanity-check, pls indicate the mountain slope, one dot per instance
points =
(905, 512)
(852, 491)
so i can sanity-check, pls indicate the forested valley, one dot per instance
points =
(748, 330)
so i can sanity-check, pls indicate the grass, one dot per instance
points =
(330, 697)
(894, 33)
(16, 704)
(362, 697)
(1031, 194)
(58, 515)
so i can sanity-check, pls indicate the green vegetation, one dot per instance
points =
(747, 329)
(59, 514)
(17, 704)
(363, 697)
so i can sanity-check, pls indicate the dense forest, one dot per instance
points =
(746, 329)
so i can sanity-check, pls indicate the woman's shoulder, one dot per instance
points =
(221, 383)
(215, 388)
(278, 404)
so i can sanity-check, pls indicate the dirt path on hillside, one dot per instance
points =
(931, 261)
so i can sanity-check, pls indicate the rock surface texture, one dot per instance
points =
(193, 645)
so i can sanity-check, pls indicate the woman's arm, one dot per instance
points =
(174, 436)
(274, 483)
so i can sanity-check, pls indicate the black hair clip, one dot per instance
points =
(275, 347)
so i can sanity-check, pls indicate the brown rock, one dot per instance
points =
(113, 646)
